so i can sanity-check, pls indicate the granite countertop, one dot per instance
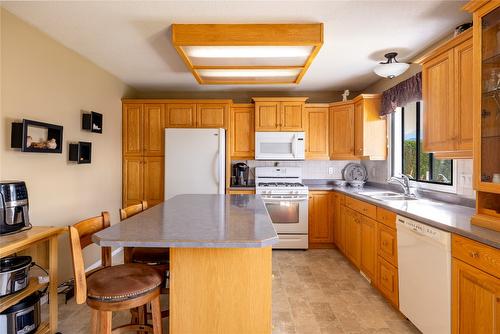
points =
(448, 217)
(196, 221)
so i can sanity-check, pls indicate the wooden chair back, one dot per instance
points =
(80, 236)
(132, 210)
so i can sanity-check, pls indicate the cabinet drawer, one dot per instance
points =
(387, 280)
(476, 254)
(387, 244)
(386, 217)
(362, 207)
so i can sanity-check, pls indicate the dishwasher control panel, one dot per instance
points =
(424, 230)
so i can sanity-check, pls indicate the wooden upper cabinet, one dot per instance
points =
(181, 115)
(463, 106)
(211, 115)
(242, 131)
(267, 116)
(292, 116)
(132, 139)
(320, 224)
(280, 114)
(446, 92)
(154, 125)
(370, 130)
(438, 91)
(317, 138)
(475, 300)
(342, 131)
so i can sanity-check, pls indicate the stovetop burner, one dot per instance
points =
(280, 184)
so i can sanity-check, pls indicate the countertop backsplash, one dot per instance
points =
(311, 169)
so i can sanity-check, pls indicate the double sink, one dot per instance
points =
(387, 196)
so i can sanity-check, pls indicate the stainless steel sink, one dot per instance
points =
(388, 196)
(398, 197)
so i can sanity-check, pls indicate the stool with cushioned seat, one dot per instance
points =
(113, 288)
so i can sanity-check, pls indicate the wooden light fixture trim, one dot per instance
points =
(247, 35)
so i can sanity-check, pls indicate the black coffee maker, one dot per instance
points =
(13, 206)
(240, 174)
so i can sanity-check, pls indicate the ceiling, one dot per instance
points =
(131, 39)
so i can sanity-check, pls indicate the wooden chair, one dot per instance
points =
(113, 288)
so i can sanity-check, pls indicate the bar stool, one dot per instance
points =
(157, 258)
(113, 288)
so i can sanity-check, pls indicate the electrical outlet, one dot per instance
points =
(330, 171)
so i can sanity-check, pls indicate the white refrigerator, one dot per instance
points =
(194, 161)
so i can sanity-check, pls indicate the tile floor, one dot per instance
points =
(314, 291)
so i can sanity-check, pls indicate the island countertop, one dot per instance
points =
(196, 221)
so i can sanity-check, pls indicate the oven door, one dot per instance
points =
(289, 215)
(279, 146)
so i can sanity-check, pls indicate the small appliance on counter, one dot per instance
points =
(13, 206)
(23, 317)
(239, 177)
(14, 274)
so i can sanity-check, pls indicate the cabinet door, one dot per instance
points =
(387, 246)
(342, 132)
(341, 243)
(181, 115)
(211, 115)
(242, 132)
(320, 226)
(387, 280)
(475, 300)
(368, 262)
(438, 95)
(463, 89)
(267, 116)
(292, 116)
(154, 125)
(132, 129)
(317, 133)
(132, 180)
(358, 128)
(153, 180)
(353, 236)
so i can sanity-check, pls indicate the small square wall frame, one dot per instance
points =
(81, 152)
(92, 121)
(21, 131)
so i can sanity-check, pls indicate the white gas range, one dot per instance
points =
(286, 198)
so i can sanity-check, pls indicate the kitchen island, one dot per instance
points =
(220, 259)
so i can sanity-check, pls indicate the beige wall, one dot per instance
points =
(45, 81)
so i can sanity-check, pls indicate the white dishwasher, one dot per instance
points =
(424, 269)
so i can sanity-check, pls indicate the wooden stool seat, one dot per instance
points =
(122, 282)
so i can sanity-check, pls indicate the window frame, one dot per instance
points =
(396, 145)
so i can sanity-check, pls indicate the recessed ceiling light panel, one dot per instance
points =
(247, 53)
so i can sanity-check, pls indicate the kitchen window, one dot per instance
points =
(408, 157)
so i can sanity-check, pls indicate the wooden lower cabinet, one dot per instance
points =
(475, 300)
(353, 236)
(387, 280)
(320, 220)
(143, 179)
(337, 202)
(368, 263)
(387, 244)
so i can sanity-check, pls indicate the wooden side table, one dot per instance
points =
(40, 242)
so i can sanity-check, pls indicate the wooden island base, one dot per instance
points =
(220, 290)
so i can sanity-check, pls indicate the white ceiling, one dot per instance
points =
(132, 39)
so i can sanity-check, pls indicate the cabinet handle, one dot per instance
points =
(474, 254)
(384, 243)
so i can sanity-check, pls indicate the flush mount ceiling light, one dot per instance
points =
(391, 68)
(248, 53)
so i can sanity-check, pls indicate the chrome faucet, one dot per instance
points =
(404, 182)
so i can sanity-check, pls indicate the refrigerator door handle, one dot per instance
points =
(215, 165)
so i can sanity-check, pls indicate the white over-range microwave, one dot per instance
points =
(279, 146)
